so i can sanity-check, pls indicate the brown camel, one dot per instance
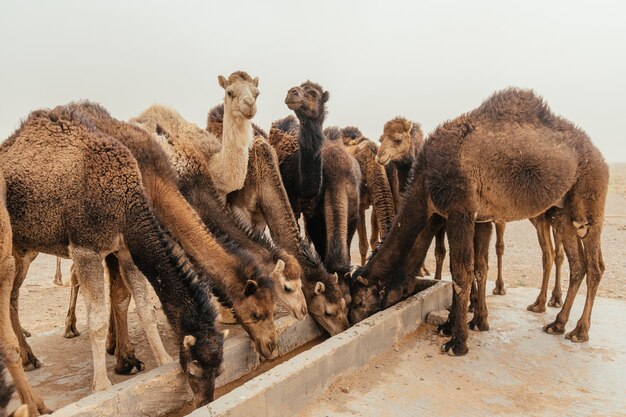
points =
(111, 215)
(510, 159)
(196, 185)
(375, 190)
(247, 282)
(401, 142)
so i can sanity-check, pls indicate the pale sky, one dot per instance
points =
(428, 61)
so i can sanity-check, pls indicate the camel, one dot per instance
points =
(401, 142)
(509, 159)
(248, 283)
(321, 291)
(229, 166)
(328, 198)
(102, 209)
(375, 189)
(196, 185)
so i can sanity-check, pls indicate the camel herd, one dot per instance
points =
(160, 198)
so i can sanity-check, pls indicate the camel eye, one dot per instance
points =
(230, 94)
(257, 316)
(287, 289)
(328, 313)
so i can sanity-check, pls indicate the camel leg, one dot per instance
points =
(574, 252)
(118, 339)
(70, 319)
(499, 288)
(595, 270)
(482, 236)
(90, 274)
(556, 299)
(22, 262)
(460, 229)
(361, 231)
(375, 232)
(58, 277)
(542, 227)
(440, 251)
(10, 345)
(138, 287)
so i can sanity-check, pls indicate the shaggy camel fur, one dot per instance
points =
(246, 283)
(63, 144)
(375, 190)
(328, 197)
(510, 159)
(194, 179)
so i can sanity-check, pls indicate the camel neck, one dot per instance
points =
(311, 140)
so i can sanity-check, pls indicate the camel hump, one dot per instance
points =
(287, 124)
(332, 133)
(515, 105)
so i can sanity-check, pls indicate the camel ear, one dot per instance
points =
(334, 278)
(189, 341)
(251, 287)
(223, 81)
(319, 288)
(381, 294)
(280, 267)
(256, 81)
(325, 96)
(408, 125)
(364, 282)
(21, 412)
(225, 333)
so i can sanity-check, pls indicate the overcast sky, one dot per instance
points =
(427, 60)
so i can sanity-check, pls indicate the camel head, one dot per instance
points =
(351, 135)
(201, 358)
(327, 305)
(288, 286)
(367, 298)
(308, 101)
(395, 142)
(241, 93)
(254, 310)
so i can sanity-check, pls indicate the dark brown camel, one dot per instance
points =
(401, 143)
(510, 159)
(327, 196)
(65, 148)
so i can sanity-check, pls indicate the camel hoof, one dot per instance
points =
(102, 386)
(57, 281)
(31, 363)
(71, 332)
(445, 329)
(479, 324)
(554, 328)
(129, 365)
(577, 335)
(454, 348)
(26, 333)
(499, 291)
(537, 307)
(555, 301)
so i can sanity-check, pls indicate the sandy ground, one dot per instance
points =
(513, 369)
(66, 373)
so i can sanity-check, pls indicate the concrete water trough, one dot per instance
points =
(282, 387)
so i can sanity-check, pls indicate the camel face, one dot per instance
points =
(395, 142)
(241, 93)
(307, 100)
(332, 315)
(366, 300)
(255, 313)
(289, 288)
(202, 361)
